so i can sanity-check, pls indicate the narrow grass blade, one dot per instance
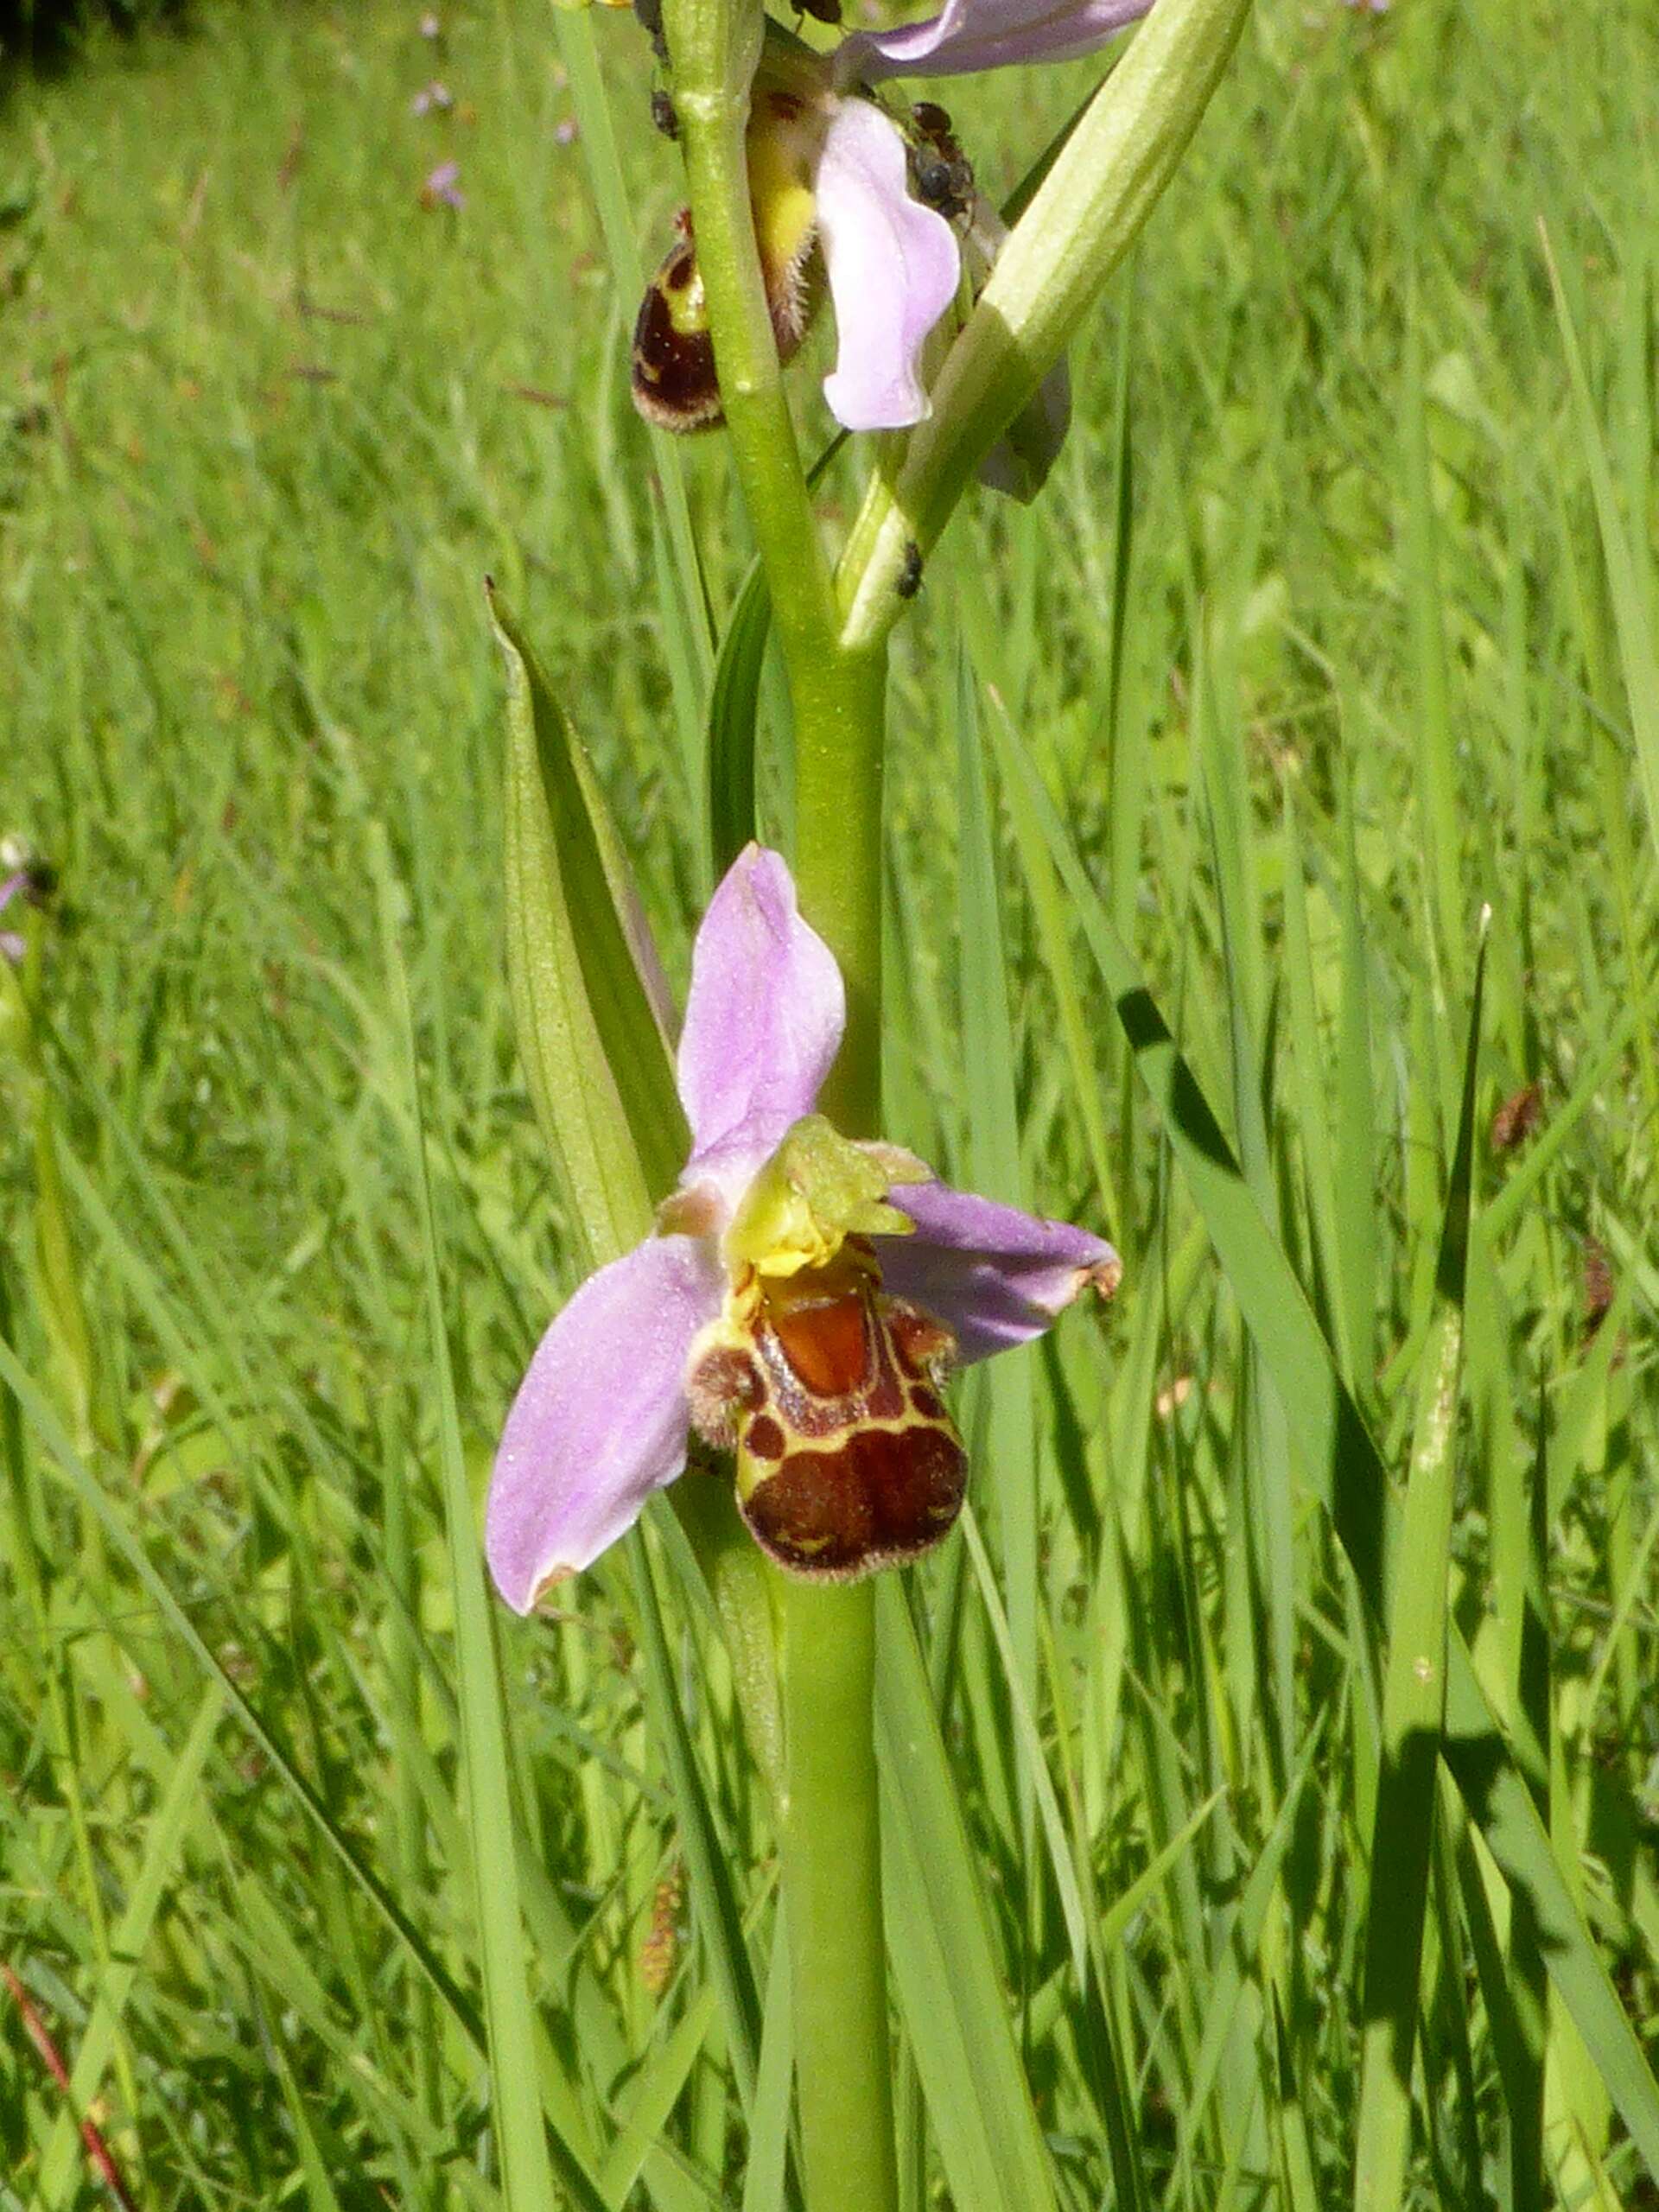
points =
(714, 1898)
(504, 1955)
(129, 1939)
(950, 1983)
(1437, 793)
(654, 2096)
(1630, 610)
(768, 2155)
(1356, 1165)
(1413, 1704)
(993, 1163)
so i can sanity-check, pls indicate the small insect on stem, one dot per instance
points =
(910, 576)
(939, 167)
(662, 114)
(648, 14)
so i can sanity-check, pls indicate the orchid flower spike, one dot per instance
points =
(800, 1301)
(847, 195)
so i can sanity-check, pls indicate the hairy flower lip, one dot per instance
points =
(603, 1417)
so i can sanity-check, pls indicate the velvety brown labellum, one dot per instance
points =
(674, 380)
(848, 1460)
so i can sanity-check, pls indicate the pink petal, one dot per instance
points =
(973, 34)
(993, 1274)
(893, 264)
(763, 1021)
(600, 1420)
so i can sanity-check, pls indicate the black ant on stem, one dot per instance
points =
(938, 169)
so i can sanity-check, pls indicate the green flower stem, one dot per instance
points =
(828, 1807)
(1081, 222)
(837, 694)
(838, 869)
(715, 45)
(832, 1894)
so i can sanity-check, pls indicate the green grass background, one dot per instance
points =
(1320, 638)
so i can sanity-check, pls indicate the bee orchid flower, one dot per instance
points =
(845, 195)
(799, 1303)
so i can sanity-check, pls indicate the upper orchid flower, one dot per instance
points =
(799, 1300)
(883, 210)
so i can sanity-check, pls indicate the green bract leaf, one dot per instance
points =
(733, 703)
(581, 971)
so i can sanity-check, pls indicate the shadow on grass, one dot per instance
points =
(48, 37)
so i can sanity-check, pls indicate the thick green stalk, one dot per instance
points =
(828, 1808)
(715, 45)
(832, 1895)
(837, 695)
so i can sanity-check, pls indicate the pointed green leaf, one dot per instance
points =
(581, 970)
(733, 703)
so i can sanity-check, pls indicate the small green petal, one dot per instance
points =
(817, 1189)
